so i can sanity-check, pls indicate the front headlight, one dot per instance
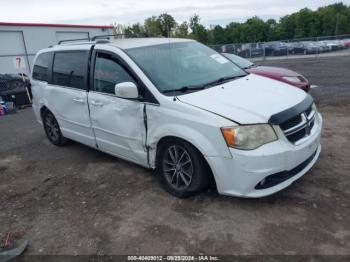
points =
(248, 137)
(293, 79)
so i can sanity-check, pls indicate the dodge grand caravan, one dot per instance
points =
(178, 107)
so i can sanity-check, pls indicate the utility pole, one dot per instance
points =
(336, 25)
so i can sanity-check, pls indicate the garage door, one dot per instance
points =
(71, 35)
(11, 43)
(12, 53)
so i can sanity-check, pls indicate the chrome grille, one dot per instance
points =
(299, 126)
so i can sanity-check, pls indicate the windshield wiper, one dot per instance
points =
(201, 87)
(222, 80)
(184, 89)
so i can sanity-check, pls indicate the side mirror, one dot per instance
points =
(126, 90)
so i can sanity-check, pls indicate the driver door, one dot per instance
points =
(117, 122)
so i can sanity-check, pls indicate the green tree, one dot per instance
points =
(256, 30)
(325, 21)
(272, 32)
(167, 24)
(182, 30)
(234, 32)
(152, 26)
(134, 29)
(199, 32)
(342, 24)
(219, 35)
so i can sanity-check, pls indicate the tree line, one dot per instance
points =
(325, 21)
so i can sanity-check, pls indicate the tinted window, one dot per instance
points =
(40, 67)
(108, 72)
(69, 69)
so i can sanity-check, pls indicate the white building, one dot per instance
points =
(19, 42)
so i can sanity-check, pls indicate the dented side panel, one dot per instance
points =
(196, 126)
(118, 125)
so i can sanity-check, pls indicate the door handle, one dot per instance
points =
(79, 100)
(95, 103)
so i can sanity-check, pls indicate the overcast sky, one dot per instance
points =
(129, 11)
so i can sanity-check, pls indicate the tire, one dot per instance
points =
(190, 175)
(52, 129)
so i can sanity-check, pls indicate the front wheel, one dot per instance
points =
(181, 168)
(52, 129)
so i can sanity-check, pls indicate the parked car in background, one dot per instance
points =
(340, 44)
(277, 73)
(310, 47)
(323, 47)
(275, 48)
(296, 48)
(250, 50)
(228, 48)
(181, 108)
(332, 45)
(346, 43)
(13, 88)
(304, 48)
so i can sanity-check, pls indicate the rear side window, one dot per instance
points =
(40, 67)
(69, 69)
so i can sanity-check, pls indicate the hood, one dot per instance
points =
(272, 71)
(248, 100)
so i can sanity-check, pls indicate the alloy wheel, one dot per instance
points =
(178, 167)
(52, 128)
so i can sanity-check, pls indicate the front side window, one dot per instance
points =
(69, 69)
(109, 72)
(41, 67)
(176, 65)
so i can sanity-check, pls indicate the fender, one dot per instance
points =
(202, 142)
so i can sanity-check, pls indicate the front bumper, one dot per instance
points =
(240, 175)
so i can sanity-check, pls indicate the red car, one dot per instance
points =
(346, 43)
(277, 73)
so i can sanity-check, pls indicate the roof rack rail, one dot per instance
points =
(72, 40)
(103, 37)
(116, 35)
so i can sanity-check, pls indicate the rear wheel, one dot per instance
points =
(52, 129)
(181, 168)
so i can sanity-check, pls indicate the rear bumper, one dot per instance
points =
(241, 175)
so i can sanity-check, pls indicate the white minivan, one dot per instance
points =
(181, 108)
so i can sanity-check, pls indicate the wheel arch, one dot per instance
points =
(43, 109)
(173, 137)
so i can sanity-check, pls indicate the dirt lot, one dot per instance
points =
(76, 200)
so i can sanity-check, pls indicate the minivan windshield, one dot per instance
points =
(184, 66)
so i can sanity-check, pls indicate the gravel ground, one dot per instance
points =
(75, 200)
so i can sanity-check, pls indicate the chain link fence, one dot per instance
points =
(313, 46)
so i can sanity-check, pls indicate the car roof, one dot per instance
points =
(128, 43)
(123, 43)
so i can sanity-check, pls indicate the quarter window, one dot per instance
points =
(108, 72)
(40, 67)
(69, 69)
